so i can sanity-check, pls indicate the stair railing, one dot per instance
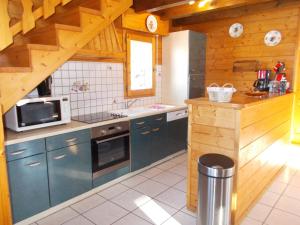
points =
(20, 16)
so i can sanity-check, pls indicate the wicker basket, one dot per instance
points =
(220, 94)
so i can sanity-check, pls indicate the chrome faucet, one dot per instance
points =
(129, 103)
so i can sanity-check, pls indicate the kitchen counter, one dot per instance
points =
(251, 131)
(238, 101)
(12, 137)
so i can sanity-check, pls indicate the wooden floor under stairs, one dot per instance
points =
(36, 55)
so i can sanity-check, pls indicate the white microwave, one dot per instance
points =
(35, 113)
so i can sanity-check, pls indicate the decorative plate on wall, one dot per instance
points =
(151, 23)
(236, 30)
(272, 38)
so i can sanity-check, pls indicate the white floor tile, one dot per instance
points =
(168, 178)
(249, 221)
(179, 170)
(181, 186)
(289, 205)
(155, 212)
(133, 181)
(80, 220)
(151, 188)
(105, 214)
(59, 217)
(295, 181)
(293, 192)
(131, 219)
(151, 172)
(269, 198)
(278, 217)
(259, 212)
(166, 165)
(181, 218)
(286, 175)
(277, 187)
(88, 203)
(187, 211)
(113, 191)
(173, 198)
(130, 199)
(180, 159)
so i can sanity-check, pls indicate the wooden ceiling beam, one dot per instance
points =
(232, 12)
(156, 5)
(211, 5)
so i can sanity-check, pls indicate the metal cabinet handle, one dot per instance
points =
(71, 140)
(33, 164)
(140, 123)
(19, 152)
(159, 119)
(145, 133)
(60, 157)
(155, 129)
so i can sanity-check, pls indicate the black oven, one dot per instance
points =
(110, 148)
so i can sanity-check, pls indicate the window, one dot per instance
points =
(140, 66)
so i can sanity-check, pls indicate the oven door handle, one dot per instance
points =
(113, 138)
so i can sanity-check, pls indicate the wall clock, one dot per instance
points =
(151, 23)
(272, 38)
(236, 30)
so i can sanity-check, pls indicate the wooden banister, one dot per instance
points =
(28, 21)
(27, 14)
(6, 37)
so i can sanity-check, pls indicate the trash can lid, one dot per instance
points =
(216, 165)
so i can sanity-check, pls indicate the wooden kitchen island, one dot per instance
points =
(252, 131)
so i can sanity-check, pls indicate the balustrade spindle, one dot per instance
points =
(49, 8)
(5, 33)
(28, 21)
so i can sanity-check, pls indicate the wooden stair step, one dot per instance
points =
(15, 59)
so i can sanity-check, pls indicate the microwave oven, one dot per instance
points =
(35, 113)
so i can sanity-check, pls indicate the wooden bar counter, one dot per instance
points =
(252, 131)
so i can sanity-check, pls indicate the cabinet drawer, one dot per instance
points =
(158, 120)
(68, 139)
(25, 149)
(141, 122)
(29, 190)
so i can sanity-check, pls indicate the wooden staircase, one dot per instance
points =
(39, 52)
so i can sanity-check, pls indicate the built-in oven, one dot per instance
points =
(110, 148)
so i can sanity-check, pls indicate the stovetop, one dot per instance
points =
(96, 117)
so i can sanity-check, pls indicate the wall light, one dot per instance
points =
(203, 3)
(192, 2)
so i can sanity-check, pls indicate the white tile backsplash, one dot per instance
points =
(96, 86)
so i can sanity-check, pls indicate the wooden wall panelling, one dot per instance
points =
(5, 208)
(137, 22)
(223, 51)
(296, 110)
(6, 35)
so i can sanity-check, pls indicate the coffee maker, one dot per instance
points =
(44, 88)
(263, 79)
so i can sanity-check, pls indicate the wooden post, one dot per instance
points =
(28, 21)
(5, 208)
(49, 8)
(6, 35)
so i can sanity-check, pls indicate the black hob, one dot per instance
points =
(96, 117)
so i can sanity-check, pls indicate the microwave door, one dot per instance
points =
(38, 113)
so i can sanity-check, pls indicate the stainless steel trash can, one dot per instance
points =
(215, 189)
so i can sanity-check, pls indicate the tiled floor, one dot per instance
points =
(157, 196)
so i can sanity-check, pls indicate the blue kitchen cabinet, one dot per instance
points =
(140, 147)
(177, 135)
(70, 172)
(148, 137)
(28, 185)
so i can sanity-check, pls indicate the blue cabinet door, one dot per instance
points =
(28, 186)
(140, 147)
(70, 172)
(177, 135)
